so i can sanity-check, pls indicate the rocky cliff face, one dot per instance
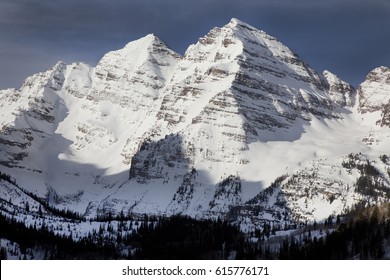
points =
(29, 115)
(342, 93)
(374, 94)
(204, 134)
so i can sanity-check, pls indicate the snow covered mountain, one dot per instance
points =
(239, 128)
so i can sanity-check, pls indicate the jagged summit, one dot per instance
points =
(143, 47)
(374, 92)
(147, 40)
(236, 23)
(340, 91)
(146, 62)
(374, 95)
(149, 43)
(381, 70)
(59, 65)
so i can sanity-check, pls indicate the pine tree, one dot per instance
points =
(27, 206)
(3, 253)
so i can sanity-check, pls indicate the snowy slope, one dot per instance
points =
(206, 134)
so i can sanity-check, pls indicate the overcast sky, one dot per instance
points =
(347, 37)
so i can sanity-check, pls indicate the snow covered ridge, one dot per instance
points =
(239, 127)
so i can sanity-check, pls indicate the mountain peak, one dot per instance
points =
(137, 52)
(340, 91)
(146, 41)
(236, 23)
(382, 69)
(379, 74)
(59, 65)
(374, 94)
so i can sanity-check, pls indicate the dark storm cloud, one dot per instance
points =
(348, 37)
